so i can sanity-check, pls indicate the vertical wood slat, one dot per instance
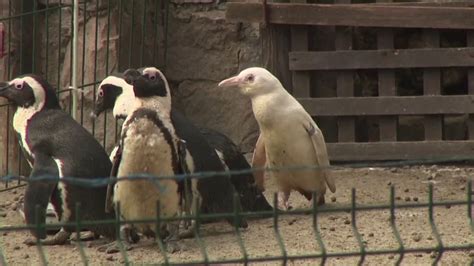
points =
(470, 82)
(386, 84)
(299, 42)
(432, 86)
(275, 49)
(345, 82)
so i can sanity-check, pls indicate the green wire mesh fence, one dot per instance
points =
(275, 221)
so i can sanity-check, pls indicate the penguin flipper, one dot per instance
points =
(258, 161)
(116, 157)
(321, 151)
(38, 192)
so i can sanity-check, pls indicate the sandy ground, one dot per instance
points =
(372, 185)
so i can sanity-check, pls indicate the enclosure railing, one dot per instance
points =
(315, 213)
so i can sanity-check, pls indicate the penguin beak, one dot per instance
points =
(4, 86)
(230, 82)
(99, 108)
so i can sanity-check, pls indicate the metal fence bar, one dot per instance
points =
(84, 18)
(237, 229)
(142, 50)
(355, 229)
(439, 247)
(74, 49)
(319, 238)
(130, 47)
(46, 48)
(79, 244)
(396, 233)
(158, 239)
(197, 234)
(96, 37)
(39, 227)
(118, 224)
(58, 78)
(276, 230)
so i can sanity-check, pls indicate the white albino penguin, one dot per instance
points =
(288, 136)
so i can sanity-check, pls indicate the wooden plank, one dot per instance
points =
(432, 86)
(386, 59)
(389, 105)
(299, 42)
(386, 85)
(422, 150)
(470, 80)
(438, 3)
(355, 15)
(345, 83)
(275, 49)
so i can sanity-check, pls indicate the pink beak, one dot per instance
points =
(233, 81)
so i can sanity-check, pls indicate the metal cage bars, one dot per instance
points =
(315, 212)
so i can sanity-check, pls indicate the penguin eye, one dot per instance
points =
(152, 76)
(19, 86)
(101, 93)
(250, 78)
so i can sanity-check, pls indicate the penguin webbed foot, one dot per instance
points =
(129, 234)
(114, 247)
(188, 231)
(321, 200)
(283, 201)
(172, 244)
(60, 238)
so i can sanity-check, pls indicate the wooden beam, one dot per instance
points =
(389, 105)
(432, 86)
(345, 82)
(275, 48)
(447, 3)
(416, 150)
(470, 81)
(299, 42)
(389, 58)
(388, 126)
(355, 15)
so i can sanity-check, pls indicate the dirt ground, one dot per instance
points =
(372, 185)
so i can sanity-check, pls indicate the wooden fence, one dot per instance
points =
(299, 64)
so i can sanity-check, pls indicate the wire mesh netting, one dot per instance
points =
(377, 223)
(387, 214)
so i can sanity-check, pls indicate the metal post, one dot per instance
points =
(74, 57)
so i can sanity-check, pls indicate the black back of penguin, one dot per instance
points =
(55, 138)
(216, 191)
(251, 198)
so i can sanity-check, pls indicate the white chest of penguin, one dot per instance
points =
(20, 123)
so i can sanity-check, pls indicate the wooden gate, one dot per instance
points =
(342, 111)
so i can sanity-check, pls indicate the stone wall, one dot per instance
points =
(202, 50)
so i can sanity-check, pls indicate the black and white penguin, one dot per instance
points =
(148, 145)
(251, 198)
(56, 145)
(114, 94)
